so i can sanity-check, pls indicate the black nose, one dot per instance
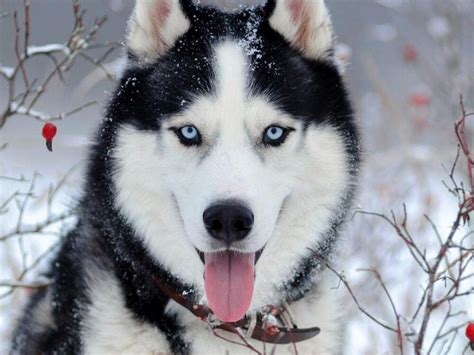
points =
(228, 223)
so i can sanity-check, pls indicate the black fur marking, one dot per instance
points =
(68, 302)
(188, 8)
(269, 8)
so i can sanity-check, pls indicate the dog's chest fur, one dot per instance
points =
(110, 328)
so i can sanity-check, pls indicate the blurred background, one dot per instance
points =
(406, 63)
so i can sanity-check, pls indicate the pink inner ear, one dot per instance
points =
(297, 9)
(162, 12)
(300, 14)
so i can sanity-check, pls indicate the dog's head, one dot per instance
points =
(234, 139)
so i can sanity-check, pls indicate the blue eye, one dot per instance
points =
(188, 135)
(189, 132)
(275, 135)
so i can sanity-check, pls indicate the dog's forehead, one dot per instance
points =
(210, 22)
(233, 104)
(231, 70)
(232, 46)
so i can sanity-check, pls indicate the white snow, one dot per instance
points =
(48, 48)
(7, 71)
(384, 32)
(439, 27)
(23, 110)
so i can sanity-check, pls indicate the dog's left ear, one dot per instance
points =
(305, 24)
(156, 25)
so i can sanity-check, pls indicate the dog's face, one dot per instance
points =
(230, 150)
(232, 143)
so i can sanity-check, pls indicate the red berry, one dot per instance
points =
(470, 331)
(410, 53)
(420, 100)
(49, 131)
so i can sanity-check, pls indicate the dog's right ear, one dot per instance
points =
(305, 24)
(156, 25)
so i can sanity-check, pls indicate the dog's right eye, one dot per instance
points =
(188, 135)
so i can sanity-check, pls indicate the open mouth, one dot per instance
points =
(257, 255)
(229, 278)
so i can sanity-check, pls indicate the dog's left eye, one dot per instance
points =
(275, 135)
(188, 135)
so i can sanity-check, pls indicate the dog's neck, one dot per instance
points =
(270, 325)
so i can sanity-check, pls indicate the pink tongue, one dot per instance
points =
(229, 279)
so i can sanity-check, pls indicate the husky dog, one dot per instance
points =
(219, 179)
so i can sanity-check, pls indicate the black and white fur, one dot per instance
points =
(231, 76)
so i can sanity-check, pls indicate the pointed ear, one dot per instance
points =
(156, 25)
(305, 24)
